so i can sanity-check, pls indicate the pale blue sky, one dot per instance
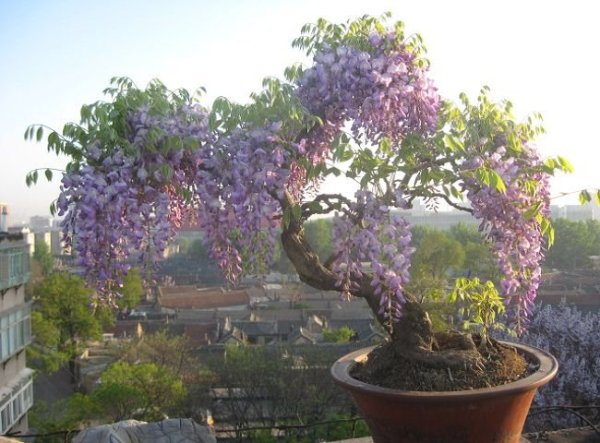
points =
(57, 55)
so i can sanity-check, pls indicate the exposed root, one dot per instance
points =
(455, 362)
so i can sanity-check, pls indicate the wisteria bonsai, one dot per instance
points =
(365, 109)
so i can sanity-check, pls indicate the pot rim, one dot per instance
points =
(548, 367)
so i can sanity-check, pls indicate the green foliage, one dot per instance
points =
(481, 305)
(435, 256)
(289, 382)
(62, 415)
(62, 321)
(132, 290)
(464, 233)
(318, 234)
(106, 123)
(574, 243)
(343, 334)
(164, 350)
(145, 391)
(42, 256)
(479, 260)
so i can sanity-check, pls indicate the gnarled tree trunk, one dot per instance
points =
(412, 336)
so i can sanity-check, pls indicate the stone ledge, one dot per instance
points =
(174, 430)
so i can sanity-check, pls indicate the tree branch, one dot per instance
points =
(327, 203)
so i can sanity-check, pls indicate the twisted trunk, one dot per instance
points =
(412, 337)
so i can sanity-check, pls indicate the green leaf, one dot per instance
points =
(497, 181)
(296, 212)
(286, 218)
(585, 197)
(48, 174)
(39, 134)
(565, 164)
(453, 143)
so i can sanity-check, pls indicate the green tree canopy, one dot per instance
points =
(146, 391)
(574, 243)
(132, 290)
(62, 321)
(340, 335)
(42, 256)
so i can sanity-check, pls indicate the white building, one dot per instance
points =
(16, 388)
(3, 217)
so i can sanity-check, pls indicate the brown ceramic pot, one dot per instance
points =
(477, 416)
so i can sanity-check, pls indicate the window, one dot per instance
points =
(15, 330)
(14, 266)
(15, 405)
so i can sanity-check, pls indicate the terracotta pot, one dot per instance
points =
(476, 416)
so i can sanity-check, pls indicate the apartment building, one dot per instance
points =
(16, 382)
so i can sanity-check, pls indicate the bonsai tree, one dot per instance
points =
(148, 160)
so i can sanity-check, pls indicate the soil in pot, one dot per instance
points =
(499, 364)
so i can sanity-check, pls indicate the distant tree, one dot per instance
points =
(436, 254)
(42, 256)
(318, 234)
(164, 350)
(574, 243)
(340, 335)
(61, 415)
(464, 233)
(144, 391)
(184, 244)
(270, 386)
(195, 263)
(479, 261)
(62, 321)
(132, 290)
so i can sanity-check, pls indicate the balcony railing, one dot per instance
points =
(14, 266)
(16, 400)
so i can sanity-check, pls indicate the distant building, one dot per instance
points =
(39, 223)
(189, 297)
(16, 380)
(43, 237)
(444, 220)
(28, 236)
(589, 211)
(3, 217)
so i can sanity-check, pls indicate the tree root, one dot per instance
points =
(453, 350)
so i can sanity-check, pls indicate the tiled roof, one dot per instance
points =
(256, 328)
(200, 334)
(188, 297)
(11, 236)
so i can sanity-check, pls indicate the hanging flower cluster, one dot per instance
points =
(378, 242)
(383, 91)
(506, 219)
(235, 169)
(125, 201)
(239, 187)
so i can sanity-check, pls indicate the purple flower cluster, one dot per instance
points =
(239, 187)
(126, 201)
(376, 238)
(517, 240)
(573, 338)
(383, 92)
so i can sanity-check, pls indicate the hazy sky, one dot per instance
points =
(57, 55)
